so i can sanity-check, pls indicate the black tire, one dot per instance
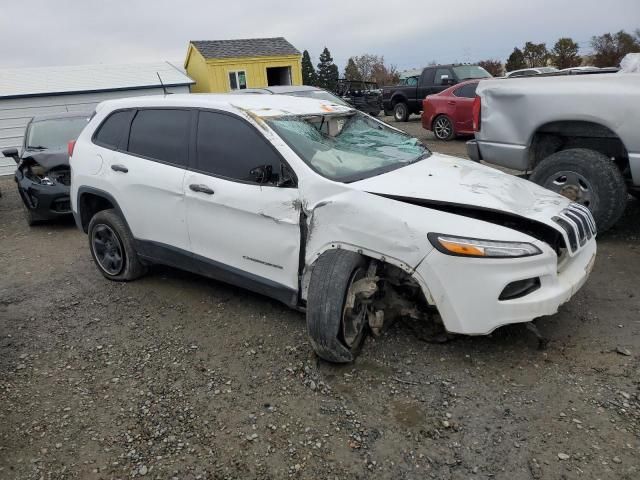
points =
(401, 112)
(330, 279)
(109, 224)
(597, 182)
(443, 128)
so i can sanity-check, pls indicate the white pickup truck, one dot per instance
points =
(576, 135)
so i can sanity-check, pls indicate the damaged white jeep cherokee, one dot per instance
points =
(325, 209)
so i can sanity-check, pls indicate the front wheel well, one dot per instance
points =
(564, 135)
(89, 204)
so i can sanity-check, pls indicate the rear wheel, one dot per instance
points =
(337, 317)
(443, 128)
(587, 177)
(401, 112)
(112, 247)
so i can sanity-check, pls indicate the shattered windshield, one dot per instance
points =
(348, 147)
(55, 133)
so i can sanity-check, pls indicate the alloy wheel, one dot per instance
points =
(107, 249)
(442, 128)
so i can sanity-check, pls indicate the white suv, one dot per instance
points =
(325, 209)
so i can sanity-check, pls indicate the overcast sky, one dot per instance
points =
(408, 33)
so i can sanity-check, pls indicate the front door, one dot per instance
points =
(246, 230)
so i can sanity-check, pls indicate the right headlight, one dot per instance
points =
(475, 247)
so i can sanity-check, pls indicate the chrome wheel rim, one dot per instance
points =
(442, 128)
(400, 112)
(572, 185)
(354, 319)
(107, 249)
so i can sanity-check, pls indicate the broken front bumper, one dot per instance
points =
(47, 201)
(466, 291)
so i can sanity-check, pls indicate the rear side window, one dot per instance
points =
(228, 146)
(466, 91)
(113, 129)
(161, 135)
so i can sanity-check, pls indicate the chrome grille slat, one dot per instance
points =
(577, 225)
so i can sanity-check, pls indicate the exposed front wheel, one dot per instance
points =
(443, 128)
(112, 247)
(587, 177)
(337, 311)
(401, 112)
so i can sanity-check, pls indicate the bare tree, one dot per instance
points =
(494, 67)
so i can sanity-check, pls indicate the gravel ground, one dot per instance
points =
(176, 376)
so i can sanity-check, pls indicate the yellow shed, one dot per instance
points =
(219, 66)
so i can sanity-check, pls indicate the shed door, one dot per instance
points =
(278, 76)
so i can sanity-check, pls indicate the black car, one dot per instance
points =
(43, 175)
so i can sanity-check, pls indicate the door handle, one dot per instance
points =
(451, 102)
(119, 168)
(201, 189)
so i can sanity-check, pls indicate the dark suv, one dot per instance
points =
(403, 100)
(43, 175)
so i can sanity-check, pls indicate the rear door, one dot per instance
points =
(146, 174)
(247, 231)
(462, 100)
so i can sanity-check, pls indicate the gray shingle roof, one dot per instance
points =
(248, 47)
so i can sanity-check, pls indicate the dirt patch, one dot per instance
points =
(176, 376)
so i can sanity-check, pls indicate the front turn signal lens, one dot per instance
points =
(475, 247)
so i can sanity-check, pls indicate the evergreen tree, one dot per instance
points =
(351, 71)
(327, 71)
(565, 54)
(309, 75)
(515, 61)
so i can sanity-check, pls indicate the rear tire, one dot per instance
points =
(443, 128)
(332, 275)
(112, 247)
(588, 177)
(401, 112)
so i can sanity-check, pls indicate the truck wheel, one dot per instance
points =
(587, 177)
(401, 112)
(443, 128)
(336, 331)
(112, 247)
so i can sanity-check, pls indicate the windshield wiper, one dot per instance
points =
(36, 147)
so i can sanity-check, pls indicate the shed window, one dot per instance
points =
(238, 80)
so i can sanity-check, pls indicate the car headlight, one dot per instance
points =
(475, 247)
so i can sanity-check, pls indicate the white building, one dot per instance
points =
(27, 92)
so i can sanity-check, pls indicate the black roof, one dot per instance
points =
(248, 47)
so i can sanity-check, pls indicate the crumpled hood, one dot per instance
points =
(450, 180)
(47, 158)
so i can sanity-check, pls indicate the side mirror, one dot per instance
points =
(262, 174)
(13, 153)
